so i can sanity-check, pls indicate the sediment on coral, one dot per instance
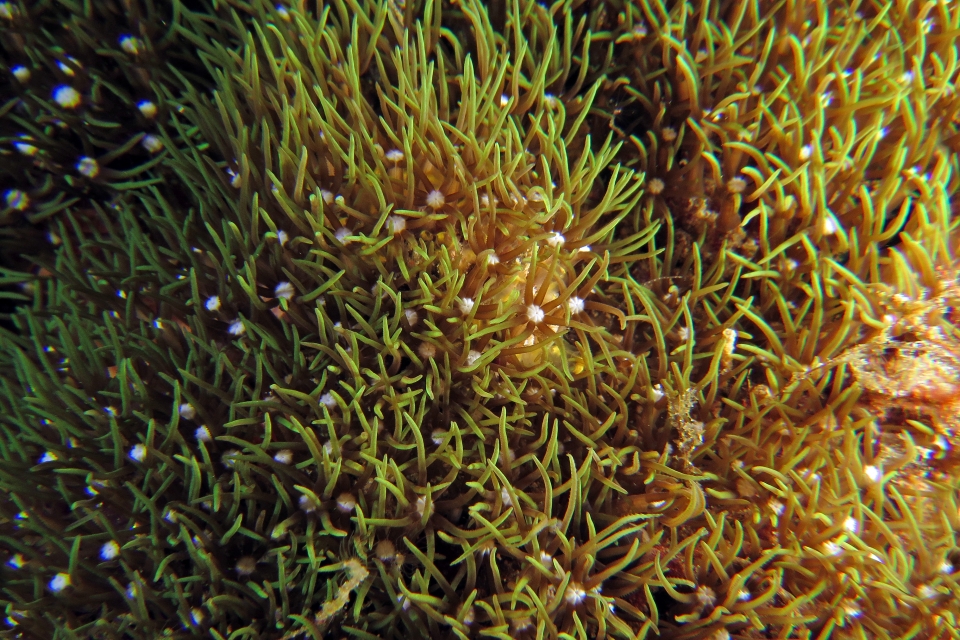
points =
(607, 320)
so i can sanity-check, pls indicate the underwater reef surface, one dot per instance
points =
(451, 319)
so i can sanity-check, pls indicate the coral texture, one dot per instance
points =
(451, 320)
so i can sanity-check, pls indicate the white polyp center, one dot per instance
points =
(138, 452)
(236, 328)
(396, 224)
(109, 550)
(656, 186)
(283, 290)
(66, 97)
(435, 199)
(535, 314)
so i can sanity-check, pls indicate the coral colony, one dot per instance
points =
(453, 319)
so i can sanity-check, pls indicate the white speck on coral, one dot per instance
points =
(236, 328)
(67, 97)
(138, 452)
(284, 456)
(21, 73)
(396, 224)
(806, 151)
(131, 44)
(48, 456)
(535, 314)
(346, 503)
(830, 226)
(411, 316)
(435, 199)
(282, 237)
(59, 582)
(505, 497)
(67, 69)
(851, 608)
(229, 458)
(504, 99)
(472, 358)
(152, 143)
(197, 615)
(283, 12)
(394, 155)
(437, 436)
(669, 134)
(342, 235)
(307, 503)
(283, 290)
(328, 400)
(657, 393)
(25, 148)
(831, 548)
(16, 561)
(17, 199)
(147, 108)
(656, 186)
(427, 350)
(736, 185)
(202, 434)
(109, 551)
(872, 473)
(88, 167)
(556, 239)
(466, 305)
(851, 524)
(521, 624)
(574, 594)
(492, 259)
(187, 411)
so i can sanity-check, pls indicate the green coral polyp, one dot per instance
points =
(439, 320)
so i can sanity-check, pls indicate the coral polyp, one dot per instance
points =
(439, 319)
